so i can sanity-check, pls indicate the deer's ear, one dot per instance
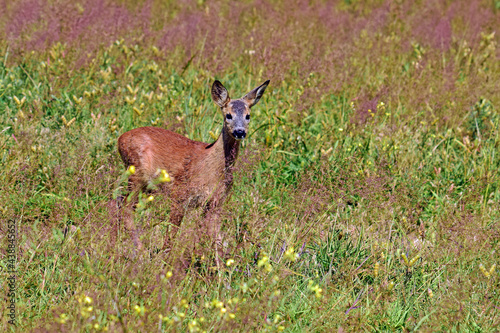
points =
(254, 96)
(220, 94)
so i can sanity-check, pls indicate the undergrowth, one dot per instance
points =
(366, 195)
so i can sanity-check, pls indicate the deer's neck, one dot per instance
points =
(224, 153)
(228, 147)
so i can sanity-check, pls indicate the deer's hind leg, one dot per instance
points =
(177, 212)
(114, 215)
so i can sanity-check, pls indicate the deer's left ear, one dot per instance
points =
(254, 96)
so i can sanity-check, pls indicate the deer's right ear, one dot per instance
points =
(220, 94)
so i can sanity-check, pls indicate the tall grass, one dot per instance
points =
(366, 196)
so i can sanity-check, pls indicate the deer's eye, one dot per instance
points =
(247, 117)
(228, 116)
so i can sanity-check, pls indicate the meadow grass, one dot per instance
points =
(366, 194)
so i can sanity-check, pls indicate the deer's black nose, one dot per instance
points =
(239, 134)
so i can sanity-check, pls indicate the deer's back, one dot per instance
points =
(153, 148)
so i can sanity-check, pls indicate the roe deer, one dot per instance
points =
(201, 173)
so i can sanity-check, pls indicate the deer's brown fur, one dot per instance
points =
(201, 173)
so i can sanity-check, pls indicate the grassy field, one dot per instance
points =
(366, 196)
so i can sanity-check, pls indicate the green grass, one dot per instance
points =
(364, 205)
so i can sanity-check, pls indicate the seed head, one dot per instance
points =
(164, 177)
(77, 100)
(405, 259)
(63, 318)
(140, 310)
(131, 170)
(484, 271)
(290, 254)
(413, 260)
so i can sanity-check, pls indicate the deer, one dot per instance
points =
(201, 174)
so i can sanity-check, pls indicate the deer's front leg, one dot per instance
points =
(176, 214)
(210, 224)
(128, 212)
